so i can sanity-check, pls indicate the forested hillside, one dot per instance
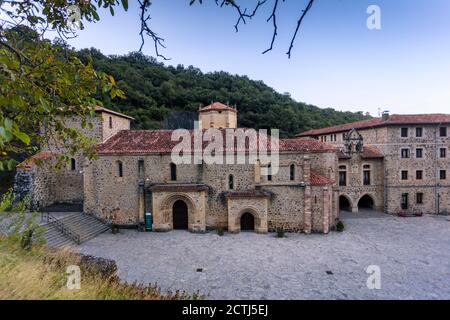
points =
(154, 91)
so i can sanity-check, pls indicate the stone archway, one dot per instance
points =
(366, 202)
(247, 222)
(177, 212)
(345, 203)
(180, 215)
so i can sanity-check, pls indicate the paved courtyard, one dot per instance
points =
(413, 255)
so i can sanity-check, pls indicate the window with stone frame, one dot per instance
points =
(443, 152)
(292, 172)
(173, 172)
(119, 169)
(231, 182)
(443, 131)
(443, 174)
(73, 164)
(419, 174)
(405, 153)
(342, 176)
(404, 174)
(419, 198)
(419, 153)
(110, 122)
(419, 132)
(366, 175)
(404, 132)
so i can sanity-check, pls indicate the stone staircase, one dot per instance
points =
(72, 229)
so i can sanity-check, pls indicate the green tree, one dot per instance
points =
(41, 83)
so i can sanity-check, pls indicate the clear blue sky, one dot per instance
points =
(337, 62)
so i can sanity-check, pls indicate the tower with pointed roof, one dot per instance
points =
(217, 115)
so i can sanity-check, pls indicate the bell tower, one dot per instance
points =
(217, 115)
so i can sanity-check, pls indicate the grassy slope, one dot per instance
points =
(30, 275)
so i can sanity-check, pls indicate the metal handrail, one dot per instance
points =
(65, 230)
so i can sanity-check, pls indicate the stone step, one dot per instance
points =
(92, 235)
(55, 238)
(84, 226)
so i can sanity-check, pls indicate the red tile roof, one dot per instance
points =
(395, 119)
(305, 144)
(31, 161)
(217, 106)
(319, 180)
(103, 109)
(369, 152)
(159, 141)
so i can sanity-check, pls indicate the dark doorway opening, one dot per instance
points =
(344, 204)
(365, 202)
(247, 222)
(180, 215)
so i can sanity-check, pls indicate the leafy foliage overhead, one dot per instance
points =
(154, 90)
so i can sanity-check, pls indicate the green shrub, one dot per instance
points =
(340, 226)
(220, 231)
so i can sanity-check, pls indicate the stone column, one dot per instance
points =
(233, 227)
(307, 223)
(326, 211)
(140, 218)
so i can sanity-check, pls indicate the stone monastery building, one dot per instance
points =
(394, 164)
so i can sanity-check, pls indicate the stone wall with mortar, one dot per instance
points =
(116, 198)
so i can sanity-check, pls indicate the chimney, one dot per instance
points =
(385, 115)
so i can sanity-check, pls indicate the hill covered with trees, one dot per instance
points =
(154, 91)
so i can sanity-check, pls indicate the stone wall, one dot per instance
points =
(116, 198)
(217, 119)
(117, 124)
(356, 189)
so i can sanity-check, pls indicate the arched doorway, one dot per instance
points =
(366, 202)
(180, 215)
(344, 204)
(247, 222)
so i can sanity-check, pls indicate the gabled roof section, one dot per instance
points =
(369, 152)
(103, 109)
(31, 161)
(217, 106)
(393, 120)
(319, 180)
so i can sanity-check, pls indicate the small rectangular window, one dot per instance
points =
(443, 174)
(419, 198)
(443, 152)
(419, 174)
(419, 153)
(120, 168)
(405, 175)
(443, 131)
(342, 178)
(404, 132)
(419, 132)
(405, 153)
(73, 164)
(366, 177)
